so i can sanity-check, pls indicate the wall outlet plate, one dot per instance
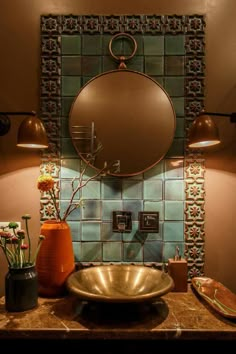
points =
(5, 223)
(148, 221)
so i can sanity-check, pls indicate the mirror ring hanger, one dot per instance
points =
(122, 59)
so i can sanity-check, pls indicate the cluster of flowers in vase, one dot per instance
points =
(46, 184)
(16, 244)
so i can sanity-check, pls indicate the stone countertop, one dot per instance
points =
(175, 315)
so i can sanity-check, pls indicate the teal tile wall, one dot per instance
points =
(146, 193)
(171, 51)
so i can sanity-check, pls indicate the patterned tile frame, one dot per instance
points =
(193, 27)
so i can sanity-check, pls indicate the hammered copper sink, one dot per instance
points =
(119, 283)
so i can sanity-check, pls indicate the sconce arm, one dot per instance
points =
(32, 113)
(5, 122)
(232, 115)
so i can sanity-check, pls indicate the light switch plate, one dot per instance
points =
(148, 221)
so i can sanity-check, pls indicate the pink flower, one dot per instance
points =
(5, 234)
(21, 234)
(17, 253)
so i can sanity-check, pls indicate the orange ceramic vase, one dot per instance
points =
(55, 260)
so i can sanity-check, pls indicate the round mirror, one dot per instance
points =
(124, 118)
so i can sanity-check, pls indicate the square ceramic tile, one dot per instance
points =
(156, 172)
(174, 65)
(70, 44)
(107, 234)
(133, 252)
(74, 216)
(128, 46)
(174, 45)
(91, 231)
(174, 168)
(70, 168)
(111, 189)
(153, 236)
(91, 65)
(108, 63)
(174, 86)
(153, 251)
(155, 206)
(71, 85)
(91, 209)
(91, 252)
(92, 190)
(134, 235)
(117, 45)
(136, 64)
(112, 252)
(153, 189)
(108, 207)
(132, 189)
(174, 210)
(66, 190)
(67, 149)
(71, 65)
(135, 206)
(154, 65)
(153, 45)
(91, 45)
(177, 148)
(174, 190)
(174, 231)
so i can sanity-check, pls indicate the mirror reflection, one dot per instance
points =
(123, 118)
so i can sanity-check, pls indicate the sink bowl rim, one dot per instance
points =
(147, 297)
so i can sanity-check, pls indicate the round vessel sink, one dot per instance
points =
(119, 283)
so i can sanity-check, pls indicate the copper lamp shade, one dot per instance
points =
(203, 132)
(32, 133)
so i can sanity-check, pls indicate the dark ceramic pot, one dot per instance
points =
(21, 289)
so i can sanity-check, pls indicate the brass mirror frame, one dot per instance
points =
(122, 118)
(127, 117)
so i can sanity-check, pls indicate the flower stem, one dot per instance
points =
(29, 242)
(5, 250)
(41, 238)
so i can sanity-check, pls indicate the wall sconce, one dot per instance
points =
(31, 133)
(203, 131)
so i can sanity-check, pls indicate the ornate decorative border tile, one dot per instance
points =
(193, 28)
